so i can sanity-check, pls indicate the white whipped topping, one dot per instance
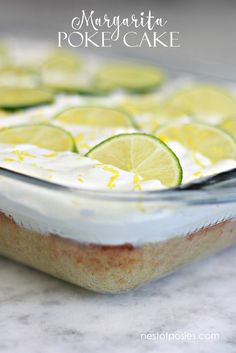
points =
(87, 219)
(61, 103)
(71, 169)
(74, 170)
(195, 165)
(87, 137)
(106, 221)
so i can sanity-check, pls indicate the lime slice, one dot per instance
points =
(62, 60)
(141, 104)
(3, 113)
(210, 141)
(229, 124)
(73, 85)
(132, 77)
(62, 73)
(148, 124)
(41, 135)
(204, 102)
(149, 111)
(143, 154)
(96, 116)
(18, 76)
(3, 53)
(61, 70)
(168, 113)
(18, 98)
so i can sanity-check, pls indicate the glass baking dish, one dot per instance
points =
(112, 242)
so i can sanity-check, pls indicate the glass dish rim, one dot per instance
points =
(216, 189)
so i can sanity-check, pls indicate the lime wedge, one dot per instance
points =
(41, 135)
(96, 116)
(204, 102)
(132, 77)
(210, 141)
(229, 124)
(143, 154)
(19, 98)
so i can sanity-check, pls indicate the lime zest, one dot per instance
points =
(210, 141)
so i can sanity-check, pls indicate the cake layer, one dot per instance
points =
(110, 269)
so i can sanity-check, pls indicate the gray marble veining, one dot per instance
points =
(40, 314)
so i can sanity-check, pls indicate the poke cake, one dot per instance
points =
(112, 173)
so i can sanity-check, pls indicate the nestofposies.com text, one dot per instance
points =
(134, 31)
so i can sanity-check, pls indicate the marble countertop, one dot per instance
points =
(193, 310)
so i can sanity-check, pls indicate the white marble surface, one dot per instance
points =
(39, 314)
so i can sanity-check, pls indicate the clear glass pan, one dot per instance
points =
(114, 241)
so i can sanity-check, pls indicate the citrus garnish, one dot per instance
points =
(61, 70)
(149, 111)
(210, 141)
(73, 84)
(204, 102)
(143, 154)
(96, 116)
(4, 53)
(18, 98)
(132, 77)
(3, 113)
(168, 113)
(62, 60)
(141, 104)
(41, 135)
(144, 107)
(18, 76)
(229, 124)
